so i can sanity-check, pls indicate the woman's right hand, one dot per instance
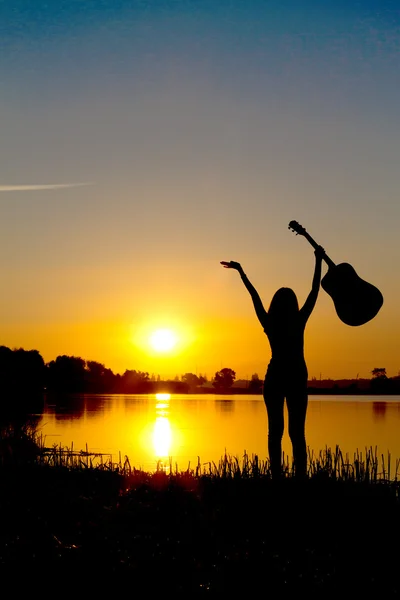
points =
(319, 253)
(232, 265)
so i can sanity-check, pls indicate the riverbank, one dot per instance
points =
(225, 529)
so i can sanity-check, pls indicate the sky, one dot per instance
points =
(144, 142)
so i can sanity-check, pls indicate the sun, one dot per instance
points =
(163, 340)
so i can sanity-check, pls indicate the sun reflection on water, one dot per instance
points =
(162, 432)
(162, 437)
(163, 397)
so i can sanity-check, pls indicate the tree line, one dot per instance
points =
(25, 371)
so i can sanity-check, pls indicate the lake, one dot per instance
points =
(150, 428)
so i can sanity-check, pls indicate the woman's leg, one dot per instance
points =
(297, 409)
(274, 401)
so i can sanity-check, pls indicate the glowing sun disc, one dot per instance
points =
(163, 340)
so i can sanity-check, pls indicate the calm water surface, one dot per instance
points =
(149, 428)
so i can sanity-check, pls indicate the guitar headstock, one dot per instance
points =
(297, 228)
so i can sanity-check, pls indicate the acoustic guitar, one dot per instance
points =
(356, 301)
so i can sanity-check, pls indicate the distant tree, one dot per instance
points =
(192, 380)
(255, 385)
(67, 374)
(224, 378)
(380, 384)
(99, 379)
(95, 369)
(6, 370)
(29, 370)
(135, 381)
(379, 373)
(21, 370)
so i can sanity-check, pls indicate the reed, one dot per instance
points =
(221, 525)
(362, 467)
(26, 444)
(367, 467)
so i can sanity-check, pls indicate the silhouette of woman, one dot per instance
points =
(287, 375)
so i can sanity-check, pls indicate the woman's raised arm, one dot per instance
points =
(309, 304)
(258, 305)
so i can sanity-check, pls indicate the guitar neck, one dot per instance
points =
(314, 244)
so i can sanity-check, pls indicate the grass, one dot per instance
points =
(24, 444)
(78, 518)
(363, 467)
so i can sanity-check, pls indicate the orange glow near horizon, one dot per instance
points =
(214, 330)
(332, 350)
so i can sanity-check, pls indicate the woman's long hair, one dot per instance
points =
(284, 305)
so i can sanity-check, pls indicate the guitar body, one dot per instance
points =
(356, 301)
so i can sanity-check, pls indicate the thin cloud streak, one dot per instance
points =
(47, 186)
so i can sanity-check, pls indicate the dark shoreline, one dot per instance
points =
(25, 373)
(311, 391)
(84, 524)
(197, 535)
(230, 392)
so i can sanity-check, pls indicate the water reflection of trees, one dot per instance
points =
(225, 405)
(379, 409)
(254, 404)
(74, 406)
(93, 405)
(130, 399)
(65, 406)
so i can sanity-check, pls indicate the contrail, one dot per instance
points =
(47, 186)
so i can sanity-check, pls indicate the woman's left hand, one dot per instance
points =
(232, 264)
